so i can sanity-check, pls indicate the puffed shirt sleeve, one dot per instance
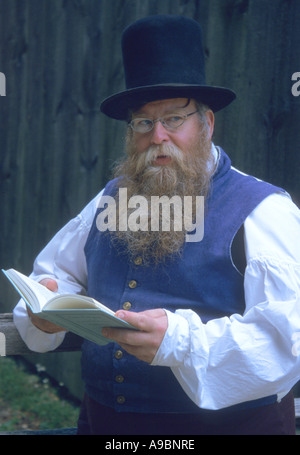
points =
(62, 259)
(245, 357)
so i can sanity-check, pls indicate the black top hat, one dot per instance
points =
(163, 58)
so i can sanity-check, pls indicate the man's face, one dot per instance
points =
(182, 137)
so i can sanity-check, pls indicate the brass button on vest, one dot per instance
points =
(119, 378)
(118, 354)
(126, 306)
(132, 284)
(138, 260)
(120, 399)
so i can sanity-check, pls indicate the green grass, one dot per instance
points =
(29, 401)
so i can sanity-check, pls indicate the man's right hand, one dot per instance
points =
(42, 324)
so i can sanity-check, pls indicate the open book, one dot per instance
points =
(77, 313)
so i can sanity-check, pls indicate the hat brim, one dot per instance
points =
(118, 105)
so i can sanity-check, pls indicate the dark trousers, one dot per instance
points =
(273, 419)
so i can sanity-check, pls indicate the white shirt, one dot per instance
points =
(227, 360)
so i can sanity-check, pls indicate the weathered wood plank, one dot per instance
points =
(297, 408)
(14, 345)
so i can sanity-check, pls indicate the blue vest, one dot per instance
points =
(203, 279)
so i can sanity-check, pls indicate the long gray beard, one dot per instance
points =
(188, 174)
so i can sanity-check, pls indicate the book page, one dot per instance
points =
(35, 294)
(85, 323)
(75, 301)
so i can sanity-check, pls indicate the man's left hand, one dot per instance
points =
(144, 343)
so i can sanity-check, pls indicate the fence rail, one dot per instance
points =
(14, 345)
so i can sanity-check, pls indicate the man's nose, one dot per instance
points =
(159, 134)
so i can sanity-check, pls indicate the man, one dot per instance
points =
(217, 317)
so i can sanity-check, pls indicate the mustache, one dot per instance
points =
(147, 158)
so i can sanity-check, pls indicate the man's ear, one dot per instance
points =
(210, 118)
